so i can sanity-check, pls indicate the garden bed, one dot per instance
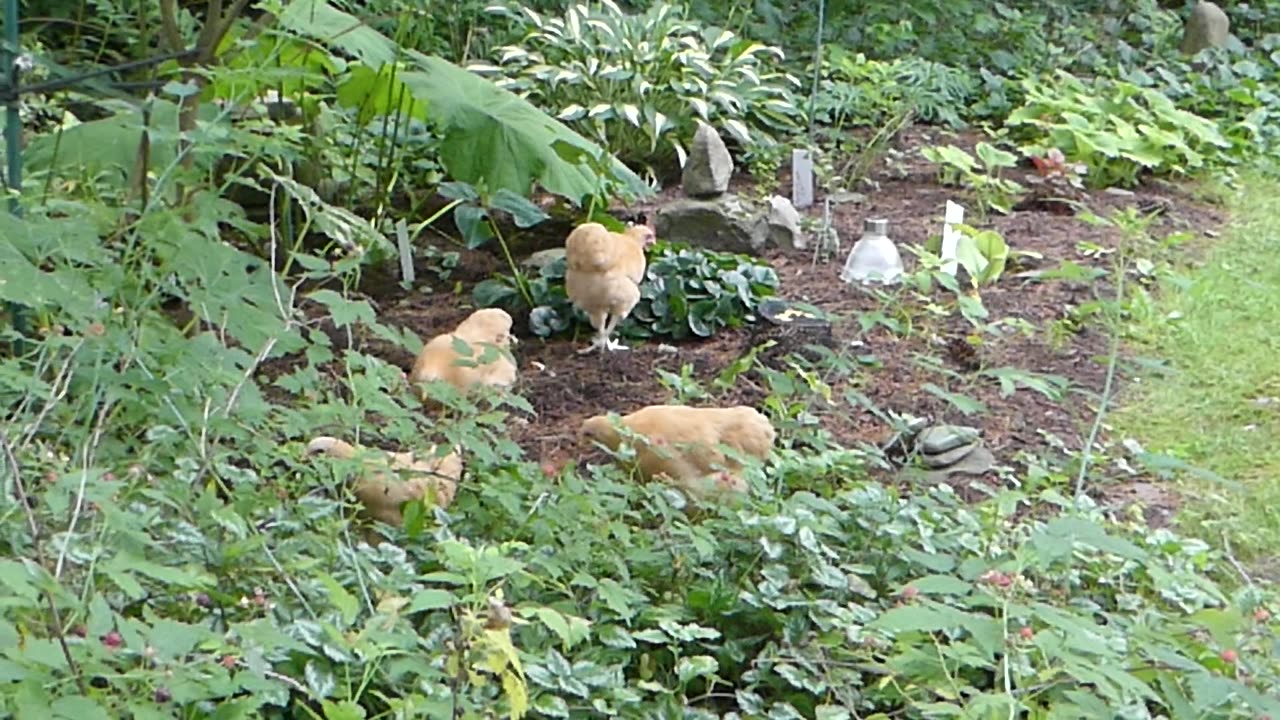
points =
(895, 366)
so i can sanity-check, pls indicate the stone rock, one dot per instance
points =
(709, 166)
(543, 258)
(1208, 26)
(724, 225)
(941, 438)
(950, 457)
(976, 462)
(784, 225)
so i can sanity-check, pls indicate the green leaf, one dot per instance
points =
(941, 585)
(963, 403)
(524, 213)
(319, 679)
(320, 20)
(78, 707)
(345, 602)
(15, 578)
(696, 666)
(431, 599)
(495, 137)
(345, 710)
(343, 311)
(570, 633)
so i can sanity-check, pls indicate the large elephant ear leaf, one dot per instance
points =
(498, 138)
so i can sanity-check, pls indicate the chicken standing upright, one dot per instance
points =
(681, 444)
(603, 272)
(484, 331)
(381, 492)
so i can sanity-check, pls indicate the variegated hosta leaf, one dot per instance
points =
(726, 101)
(681, 155)
(779, 106)
(484, 69)
(701, 107)
(614, 73)
(601, 111)
(723, 39)
(565, 76)
(631, 113)
(571, 113)
(510, 53)
(738, 130)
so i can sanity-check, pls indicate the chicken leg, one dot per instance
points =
(601, 338)
(609, 343)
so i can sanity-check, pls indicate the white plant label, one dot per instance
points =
(951, 237)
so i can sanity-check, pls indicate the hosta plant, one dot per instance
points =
(638, 84)
(687, 293)
(1117, 129)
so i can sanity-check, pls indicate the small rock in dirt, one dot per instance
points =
(950, 457)
(1120, 192)
(941, 438)
(1208, 26)
(669, 349)
(784, 225)
(846, 197)
(726, 225)
(543, 258)
(708, 167)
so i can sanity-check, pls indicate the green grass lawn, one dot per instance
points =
(1220, 407)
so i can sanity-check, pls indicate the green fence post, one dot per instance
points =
(13, 140)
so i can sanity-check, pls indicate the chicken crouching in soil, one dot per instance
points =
(681, 445)
(392, 479)
(477, 352)
(603, 272)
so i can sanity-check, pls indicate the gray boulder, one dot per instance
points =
(783, 225)
(709, 166)
(724, 225)
(1208, 26)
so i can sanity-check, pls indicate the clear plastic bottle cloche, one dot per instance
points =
(874, 257)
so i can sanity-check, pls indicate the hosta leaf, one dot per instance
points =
(571, 113)
(738, 130)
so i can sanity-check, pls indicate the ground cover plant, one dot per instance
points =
(325, 186)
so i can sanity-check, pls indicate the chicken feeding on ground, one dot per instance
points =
(379, 489)
(603, 272)
(488, 361)
(682, 444)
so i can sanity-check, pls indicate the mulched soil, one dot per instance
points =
(565, 388)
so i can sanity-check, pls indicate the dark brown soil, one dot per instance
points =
(565, 388)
